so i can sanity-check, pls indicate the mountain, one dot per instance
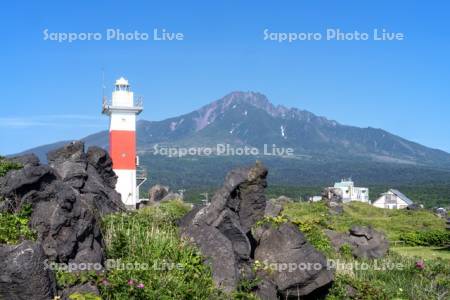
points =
(249, 119)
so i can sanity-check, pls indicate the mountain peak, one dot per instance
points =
(208, 113)
(260, 101)
(253, 98)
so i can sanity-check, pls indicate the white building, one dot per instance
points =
(392, 199)
(346, 188)
(315, 198)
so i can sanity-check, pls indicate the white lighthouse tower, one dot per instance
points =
(122, 111)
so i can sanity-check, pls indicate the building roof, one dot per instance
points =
(401, 196)
(121, 81)
(344, 183)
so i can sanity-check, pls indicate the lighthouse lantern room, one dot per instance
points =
(122, 111)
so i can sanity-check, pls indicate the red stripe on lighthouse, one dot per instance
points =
(122, 147)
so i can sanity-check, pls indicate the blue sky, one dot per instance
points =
(52, 91)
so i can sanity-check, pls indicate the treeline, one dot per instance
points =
(300, 179)
(430, 196)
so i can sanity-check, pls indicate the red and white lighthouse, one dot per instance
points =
(122, 111)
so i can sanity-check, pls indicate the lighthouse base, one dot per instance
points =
(126, 187)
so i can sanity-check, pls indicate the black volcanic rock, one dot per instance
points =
(23, 273)
(73, 151)
(102, 163)
(365, 242)
(90, 173)
(221, 230)
(273, 209)
(225, 233)
(25, 160)
(70, 163)
(67, 198)
(300, 269)
(157, 192)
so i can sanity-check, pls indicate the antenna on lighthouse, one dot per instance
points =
(103, 87)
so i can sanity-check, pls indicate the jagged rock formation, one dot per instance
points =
(274, 207)
(299, 269)
(67, 198)
(23, 273)
(333, 200)
(90, 174)
(365, 242)
(221, 229)
(223, 233)
(157, 192)
(160, 193)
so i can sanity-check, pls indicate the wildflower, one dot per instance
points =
(131, 282)
(420, 264)
(105, 281)
(140, 286)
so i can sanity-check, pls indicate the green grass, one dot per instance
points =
(401, 279)
(424, 252)
(393, 223)
(432, 282)
(14, 226)
(6, 166)
(149, 237)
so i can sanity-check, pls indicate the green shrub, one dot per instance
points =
(346, 251)
(65, 279)
(347, 287)
(14, 226)
(426, 238)
(274, 221)
(315, 235)
(174, 209)
(6, 166)
(84, 296)
(245, 288)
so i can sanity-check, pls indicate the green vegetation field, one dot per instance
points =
(175, 270)
(394, 223)
(150, 236)
(421, 232)
(428, 252)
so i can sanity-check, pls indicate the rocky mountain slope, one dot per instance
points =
(249, 119)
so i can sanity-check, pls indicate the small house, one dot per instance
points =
(347, 190)
(315, 198)
(392, 199)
